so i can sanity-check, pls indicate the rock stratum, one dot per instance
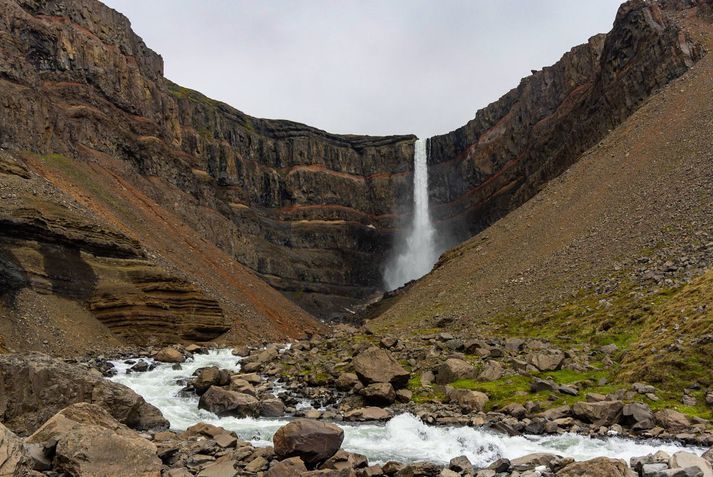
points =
(172, 208)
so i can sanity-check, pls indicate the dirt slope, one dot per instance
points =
(604, 253)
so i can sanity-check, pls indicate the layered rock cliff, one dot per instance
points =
(501, 158)
(312, 213)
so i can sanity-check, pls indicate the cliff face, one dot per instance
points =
(536, 131)
(312, 213)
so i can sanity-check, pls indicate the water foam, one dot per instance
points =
(404, 438)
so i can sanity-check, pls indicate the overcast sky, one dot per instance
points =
(362, 66)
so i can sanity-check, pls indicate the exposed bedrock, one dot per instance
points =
(313, 213)
(533, 133)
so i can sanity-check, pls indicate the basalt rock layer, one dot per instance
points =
(312, 213)
(532, 134)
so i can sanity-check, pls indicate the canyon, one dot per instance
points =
(313, 214)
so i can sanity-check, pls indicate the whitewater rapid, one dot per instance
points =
(404, 438)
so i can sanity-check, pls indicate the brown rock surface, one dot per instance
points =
(312, 441)
(375, 365)
(599, 467)
(34, 387)
(89, 442)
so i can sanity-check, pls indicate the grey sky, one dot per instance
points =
(362, 66)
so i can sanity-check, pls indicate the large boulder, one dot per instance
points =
(599, 467)
(12, 456)
(672, 420)
(87, 441)
(312, 441)
(375, 365)
(170, 354)
(379, 394)
(467, 399)
(603, 413)
(492, 371)
(34, 387)
(223, 402)
(549, 360)
(688, 459)
(452, 370)
(207, 377)
(287, 468)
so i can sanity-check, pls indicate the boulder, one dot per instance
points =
(312, 441)
(87, 441)
(291, 467)
(240, 385)
(672, 420)
(223, 402)
(379, 394)
(368, 414)
(346, 381)
(345, 460)
(376, 365)
(467, 399)
(34, 387)
(452, 370)
(599, 467)
(530, 461)
(604, 413)
(170, 354)
(12, 456)
(272, 407)
(492, 371)
(208, 377)
(687, 459)
(420, 469)
(550, 360)
(637, 415)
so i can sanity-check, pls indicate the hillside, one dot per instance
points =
(618, 249)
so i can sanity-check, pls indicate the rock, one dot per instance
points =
(241, 351)
(539, 385)
(672, 420)
(604, 413)
(419, 469)
(222, 402)
(170, 354)
(467, 399)
(530, 461)
(241, 386)
(708, 455)
(501, 465)
(345, 460)
(461, 464)
(599, 467)
(375, 365)
(225, 468)
(680, 472)
(291, 467)
(196, 349)
(609, 349)
(346, 381)
(272, 407)
(546, 360)
(89, 442)
(208, 377)
(312, 441)
(34, 387)
(368, 414)
(515, 410)
(492, 371)
(452, 370)
(379, 394)
(687, 459)
(404, 395)
(13, 461)
(256, 465)
(642, 388)
(638, 415)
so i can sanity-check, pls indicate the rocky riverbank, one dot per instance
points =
(320, 385)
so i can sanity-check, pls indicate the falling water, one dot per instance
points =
(417, 254)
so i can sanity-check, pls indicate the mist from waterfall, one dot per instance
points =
(416, 253)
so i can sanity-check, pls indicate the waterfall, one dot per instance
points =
(416, 253)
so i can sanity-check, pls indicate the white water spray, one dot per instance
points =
(417, 254)
(404, 438)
